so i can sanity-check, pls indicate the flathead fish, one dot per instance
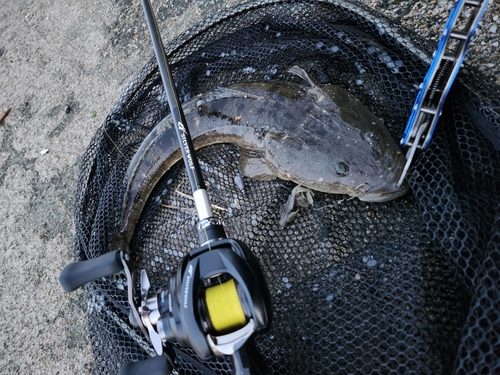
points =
(320, 137)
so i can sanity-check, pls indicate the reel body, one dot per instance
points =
(216, 301)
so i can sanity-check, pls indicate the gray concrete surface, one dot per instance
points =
(62, 66)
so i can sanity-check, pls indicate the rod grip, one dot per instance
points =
(249, 361)
(152, 366)
(76, 274)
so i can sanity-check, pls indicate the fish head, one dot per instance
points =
(348, 151)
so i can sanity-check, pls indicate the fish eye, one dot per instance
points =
(372, 137)
(342, 169)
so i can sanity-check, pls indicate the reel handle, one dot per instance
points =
(76, 274)
(152, 366)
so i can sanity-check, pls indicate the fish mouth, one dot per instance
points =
(385, 193)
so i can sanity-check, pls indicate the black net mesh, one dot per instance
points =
(408, 286)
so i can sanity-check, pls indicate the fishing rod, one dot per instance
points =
(218, 299)
(207, 221)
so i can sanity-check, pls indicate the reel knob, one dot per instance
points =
(77, 274)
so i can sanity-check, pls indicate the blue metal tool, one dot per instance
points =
(446, 62)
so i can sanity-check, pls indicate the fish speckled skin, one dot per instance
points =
(319, 137)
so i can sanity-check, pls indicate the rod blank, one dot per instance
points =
(181, 129)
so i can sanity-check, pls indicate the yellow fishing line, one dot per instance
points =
(224, 307)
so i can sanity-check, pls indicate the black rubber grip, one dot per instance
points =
(76, 274)
(249, 361)
(153, 366)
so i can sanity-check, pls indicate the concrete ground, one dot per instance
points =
(63, 63)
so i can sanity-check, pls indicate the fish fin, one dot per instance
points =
(286, 217)
(287, 212)
(303, 196)
(315, 92)
(254, 165)
(298, 71)
(299, 197)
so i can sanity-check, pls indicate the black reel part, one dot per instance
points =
(159, 365)
(188, 311)
(184, 314)
(247, 360)
(185, 311)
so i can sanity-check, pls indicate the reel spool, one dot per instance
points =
(224, 308)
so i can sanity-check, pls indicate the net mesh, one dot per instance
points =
(405, 286)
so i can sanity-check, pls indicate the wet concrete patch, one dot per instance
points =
(51, 205)
(65, 112)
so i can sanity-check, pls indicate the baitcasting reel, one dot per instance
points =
(214, 304)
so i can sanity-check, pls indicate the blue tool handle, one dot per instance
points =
(76, 274)
(443, 70)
